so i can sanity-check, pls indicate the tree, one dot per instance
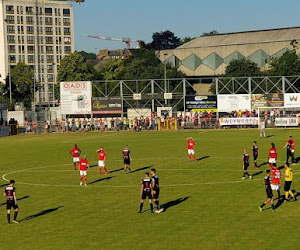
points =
(242, 67)
(87, 55)
(112, 69)
(22, 82)
(163, 40)
(211, 33)
(186, 40)
(73, 68)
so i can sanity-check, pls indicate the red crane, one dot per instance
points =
(128, 41)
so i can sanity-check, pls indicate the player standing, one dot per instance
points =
(272, 155)
(290, 145)
(245, 162)
(288, 182)
(262, 128)
(275, 183)
(191, 149)
(11, 201)
(156, 190)
(126, 154)
(102, 158)
(255, 153)
(270, 198)
(75, 152)
(83, 165)
(146, 189)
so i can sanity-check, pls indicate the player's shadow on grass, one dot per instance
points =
(92, 166)
(269, 136)
(22, 198)
(297, 159)
(202, 158)
(257, 173)
(173, 203)
(263, 164)
(102, 179)
(41, 213)
(4, 185)
(116, 170)
(140, 169)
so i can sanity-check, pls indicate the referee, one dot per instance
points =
(288, 182)
(11, 201)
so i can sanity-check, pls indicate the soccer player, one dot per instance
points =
(126, 154)
(272, 155)
(191, 149)
(75, 152)
(270, 198)
(146, 191)
(275, 183)
(255, 153)
(155, 188)
(102, 158)
(83, 165)
(11, 201)
(262, 128)
(245, 162)
(288, 182)
(290, 145)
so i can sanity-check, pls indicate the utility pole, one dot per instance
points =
(165, 76)
(9, 68)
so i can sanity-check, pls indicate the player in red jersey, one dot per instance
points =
(75, 152)
(191, 149)
(275, 183)
(83, 166)
(272, 155)
(291, 149)
(101, 162)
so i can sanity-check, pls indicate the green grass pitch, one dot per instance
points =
(208, 205)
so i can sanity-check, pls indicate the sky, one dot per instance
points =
(139, 19)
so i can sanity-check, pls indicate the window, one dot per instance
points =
(29, 19)
(66, 11)
(11, 38)
(10, 19)
(29, 9)
(49, 30)
(10, 29)
(30, 58)
(21, 29)
(12, 48)
(30, 29)
(30, 39)
(49, 49)
(66, 21)
(9, 8)
(12, 58)
(21, 39)
(21, 58)
(67, 48)
(48, 10)
(48, 20)
(50, 59)
(67, 40)
(30, 49)
(49, 39)
(21, 49)
(67, 31)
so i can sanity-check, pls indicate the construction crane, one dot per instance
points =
(128, 41)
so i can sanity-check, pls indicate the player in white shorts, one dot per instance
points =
(75, 153)
(102, 158)
(262, 128)
(272, 155)
(83, 166)
(191, 148)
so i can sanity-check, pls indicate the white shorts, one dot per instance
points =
(191, 151)
(293, 151)
(272, 160)
(275, 187)
(83, 172)
(101, 163)
(75, 159)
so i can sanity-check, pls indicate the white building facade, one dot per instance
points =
(39, 33)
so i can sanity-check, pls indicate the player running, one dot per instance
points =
(262, 128)
(126, 154)
(288, 182)
(290, 146)
(83, 166)
(155, 188)
(272, 155)
(245, 162)
(75, 152)
(270, 198)
(11, 201)
(146, 191)
(275, 183)
(255, 153)
(101, 162)
(191, 149)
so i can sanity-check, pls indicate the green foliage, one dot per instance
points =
(186, 40)
(88, 55)
(21, 84)
(112, 69)
(211, 33)
(242, 67)
(163, 40)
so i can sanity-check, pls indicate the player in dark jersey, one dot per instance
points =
(11, 201)
(245, 162)
(270, 198)
(156, 190)
(146, 191)
(289, 151)
(255, 153)
(126, 154)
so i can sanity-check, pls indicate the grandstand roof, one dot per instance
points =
(245, 37)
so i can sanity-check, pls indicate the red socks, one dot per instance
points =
(194, 157)
(81, 179)
(105, 170)
(190, 157)
(85, 180)
(270, 164)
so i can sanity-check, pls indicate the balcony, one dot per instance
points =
(67, 33)
(67, 15)
(49, 52)
(67, 24)
(68, 52)
(67, 43)
(29, 12)
(29, 32)
(48, 14)
(20, 12)
(49, 42)
(12, 41)
(11, 32)
(30, 52)
(58, 33)
(11, 21)
(20, 31)
(12, 51)
(29, 22)
(31, 61)
(51, 80)
(20, 22)
(49, 32)
(10, 12)
(50, 61)
(48, 23)
(30, 42)
(50, 70)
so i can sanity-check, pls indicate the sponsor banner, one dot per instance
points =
(275, 100)
(286, 122)
(201, 103)
(292, 100)
(228, 103)
(107, 105)
(239, 121)
(75, 97)
(258, 101)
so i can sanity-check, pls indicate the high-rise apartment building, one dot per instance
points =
(39, 33)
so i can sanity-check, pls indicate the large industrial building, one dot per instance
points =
(209, 55)
(39, 33)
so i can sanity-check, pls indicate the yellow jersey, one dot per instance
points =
(288, 174)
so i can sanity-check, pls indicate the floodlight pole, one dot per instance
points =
(165, 75)
(9, 66)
